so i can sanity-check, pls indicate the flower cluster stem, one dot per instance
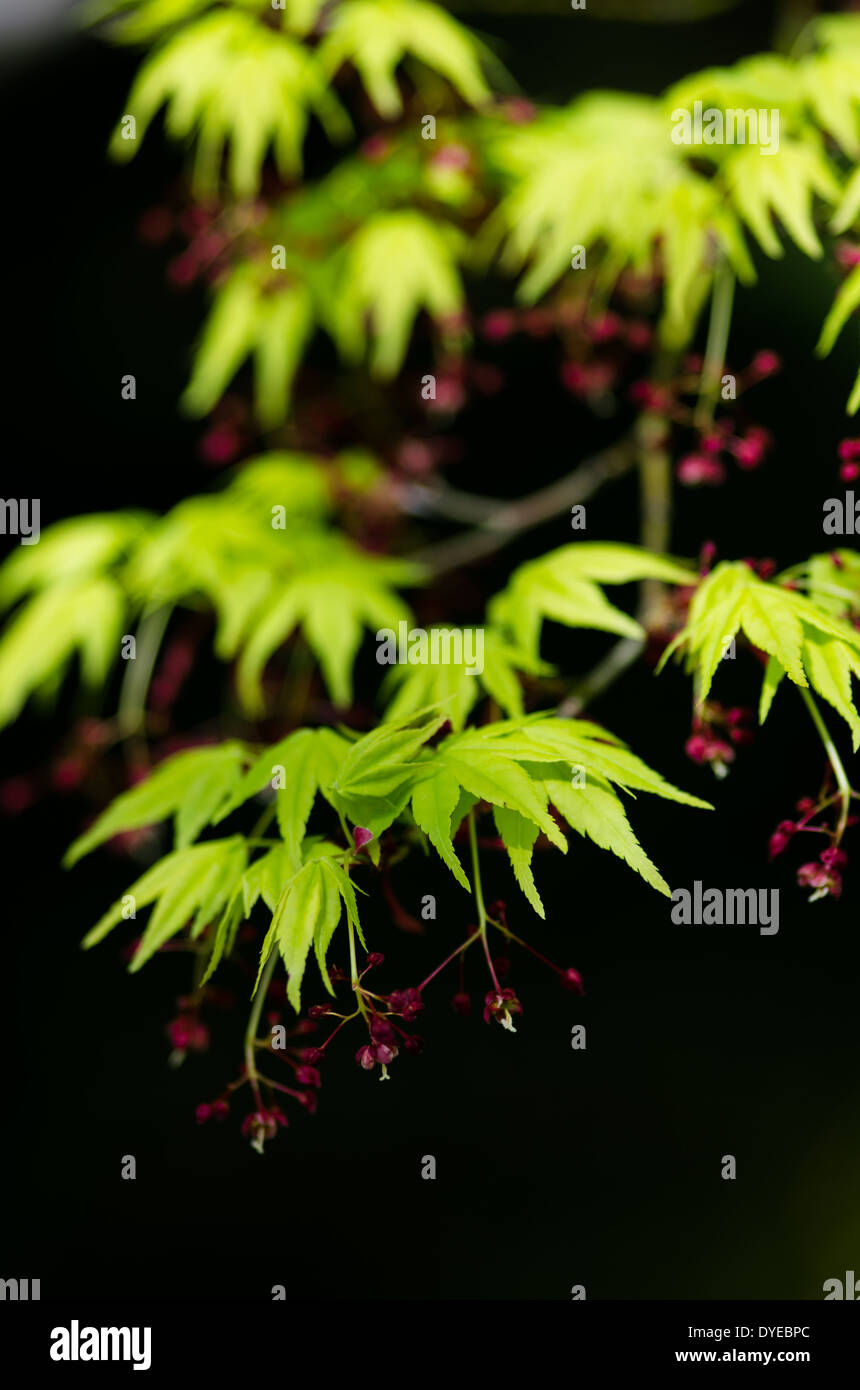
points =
(835, 761)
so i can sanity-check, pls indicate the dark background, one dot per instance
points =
(555, 1167)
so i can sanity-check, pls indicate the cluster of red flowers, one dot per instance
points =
(824, 874)
(717, 732)
(382, 1015)
(715, 441)
(849, 455)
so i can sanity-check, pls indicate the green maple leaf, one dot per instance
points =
(230, 81)
(191, 786)
(193, 883)
(522, 767)
(783, 184)
(83, 617)
(804, 640)
(301, 765)
(456, 688)
(331, 604)
(375, 36)
(306, 916)
(564, 586)
(397, 265)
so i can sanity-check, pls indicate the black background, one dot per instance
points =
(555, 1167)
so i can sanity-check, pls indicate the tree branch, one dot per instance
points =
(501, 522)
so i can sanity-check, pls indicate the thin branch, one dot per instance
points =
(613, 665)
(509, 519)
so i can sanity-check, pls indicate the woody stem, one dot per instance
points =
(717, 343)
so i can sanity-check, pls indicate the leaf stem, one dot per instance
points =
(462, 947)
(138, 673)
(254, 1023)
(836, 763)
(479, 897)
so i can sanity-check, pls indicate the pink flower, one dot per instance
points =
(765, 363)
(263, 1125)
(695, 470)
(501, 1005)
(406, 1002)
(498, 325)
(781, 837)
(823, 877)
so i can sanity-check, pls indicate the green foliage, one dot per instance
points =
(366, 294)
(832, 581)
(190, 786)
(845, 304)
(783, 185)
(230, 81)
(375, 36)
(40, 641)
(802, 638)
(90, 578)
(521, 767)
(457, 687)
(307, 915)
(194, 883)
(331, 601)
(397, 264)
(251, 319)
(299, 767)
(604, 172)
(564, 586)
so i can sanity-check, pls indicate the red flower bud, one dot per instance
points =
(406, 1002)
(765, 363)
(572, 980)
(833, 858)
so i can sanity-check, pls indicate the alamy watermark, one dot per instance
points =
(20, 517)
(441, 646)
(729, 907)
(734, 126)
(76, 1343)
